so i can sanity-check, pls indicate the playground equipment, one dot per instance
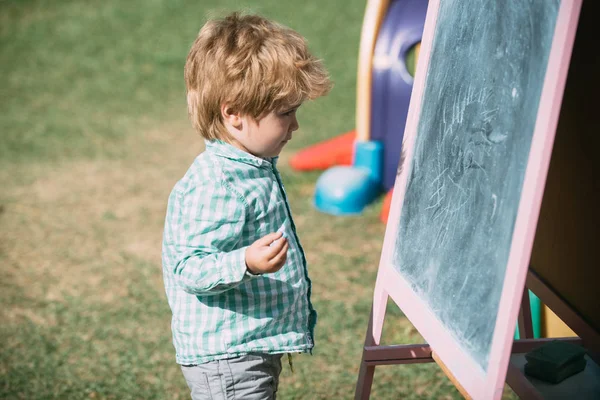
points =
(362, 163)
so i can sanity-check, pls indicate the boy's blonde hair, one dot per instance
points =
(253, 65)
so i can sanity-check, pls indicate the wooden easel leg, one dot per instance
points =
(373, 337)
(366, 372)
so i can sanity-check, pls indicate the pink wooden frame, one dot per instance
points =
(466, 373)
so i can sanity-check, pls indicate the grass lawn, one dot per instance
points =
(93, 135)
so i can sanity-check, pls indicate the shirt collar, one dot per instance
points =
(223, 149)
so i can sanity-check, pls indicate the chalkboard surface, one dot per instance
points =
(478, 113)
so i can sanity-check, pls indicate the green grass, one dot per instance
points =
(77, 77)
(93, 136)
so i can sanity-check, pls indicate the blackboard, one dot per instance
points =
(478, 112)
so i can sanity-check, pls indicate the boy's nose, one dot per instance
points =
(294, 126)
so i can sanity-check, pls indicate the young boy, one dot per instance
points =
(234, 270)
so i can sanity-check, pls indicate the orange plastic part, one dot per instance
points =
(385, 209)
(326, 154)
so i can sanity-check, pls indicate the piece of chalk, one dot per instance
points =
(276, 240)
(282, 230)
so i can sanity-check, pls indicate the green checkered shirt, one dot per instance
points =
(227, 200)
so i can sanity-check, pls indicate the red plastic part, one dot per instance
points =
(385, 209)
(326, 154)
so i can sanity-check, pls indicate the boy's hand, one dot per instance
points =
(267, 254)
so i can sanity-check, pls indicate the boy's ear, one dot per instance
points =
(230, 116)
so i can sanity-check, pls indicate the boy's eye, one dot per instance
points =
(290, 112)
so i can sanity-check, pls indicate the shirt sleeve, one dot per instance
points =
(203, 229)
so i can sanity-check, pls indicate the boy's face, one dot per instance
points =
(267, 136)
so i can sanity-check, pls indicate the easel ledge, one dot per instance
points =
(422, 353)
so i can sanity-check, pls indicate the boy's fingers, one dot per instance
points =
(275, 247)
(281, 256)
(270, 238)
(274, 250)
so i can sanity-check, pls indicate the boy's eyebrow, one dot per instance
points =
(290, 108)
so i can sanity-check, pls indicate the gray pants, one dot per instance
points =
(250, 377)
